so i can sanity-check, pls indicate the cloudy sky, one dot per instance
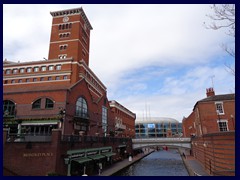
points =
(157, 60)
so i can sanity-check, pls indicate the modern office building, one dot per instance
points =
(157, 127)
(56, 114)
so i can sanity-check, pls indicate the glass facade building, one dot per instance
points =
(157, 127)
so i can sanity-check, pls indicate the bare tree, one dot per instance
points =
(224, 17)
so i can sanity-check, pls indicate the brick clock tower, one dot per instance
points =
(70, 35)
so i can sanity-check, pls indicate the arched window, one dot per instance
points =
(81, 108)
(49, 104)
(8, 108)
(36, 104)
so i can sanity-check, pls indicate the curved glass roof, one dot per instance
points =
(156, 120)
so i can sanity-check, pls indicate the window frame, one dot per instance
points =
(49, 102)
(223, 128)
(81, 107)
(219, 108)
(37, 104)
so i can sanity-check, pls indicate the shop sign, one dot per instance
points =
(37, 154)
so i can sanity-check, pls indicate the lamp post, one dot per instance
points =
(68, 162)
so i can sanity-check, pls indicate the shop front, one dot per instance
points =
(88, 161)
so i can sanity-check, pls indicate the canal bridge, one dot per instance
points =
(153, 142)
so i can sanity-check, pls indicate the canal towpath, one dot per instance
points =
(114, 168)
(193, 167)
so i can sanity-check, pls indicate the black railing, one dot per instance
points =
(42, 137)
(93, 139)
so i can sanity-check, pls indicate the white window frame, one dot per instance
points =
(225, 121)
(220, 111)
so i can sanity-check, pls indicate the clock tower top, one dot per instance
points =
(70, 35)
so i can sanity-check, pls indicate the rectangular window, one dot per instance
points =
(27, 80)
(64, 77)
(15, 71)
(29, 70)
(22, 70)
(8, 71)
(44, 68)
(13, 81)
(34, 79)
(104, 120)
(49, 78)
(219, 108)
(20, 81)
(58, 67)
(36, 69)
(50, 68)
(42, 79)
(222, 125)
(57, 78)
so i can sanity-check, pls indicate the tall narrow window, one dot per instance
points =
(104, 120)
(49, 103)
(219, 108)
(81, 108)
(36, 104)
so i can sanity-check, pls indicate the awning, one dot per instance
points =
(109, 154)
(82, 160)
(39, 122)
(96, 157)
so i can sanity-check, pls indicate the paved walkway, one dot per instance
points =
(123, 164)
(193, 166)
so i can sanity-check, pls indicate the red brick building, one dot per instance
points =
(124, 120)
(212, 128)
(56, 99)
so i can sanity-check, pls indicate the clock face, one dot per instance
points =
(65, 19)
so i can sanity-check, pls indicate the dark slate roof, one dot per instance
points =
(222, 97)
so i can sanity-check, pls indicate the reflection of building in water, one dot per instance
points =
(157, 127)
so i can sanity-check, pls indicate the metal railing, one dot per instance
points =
(38, 137)
(93, 139)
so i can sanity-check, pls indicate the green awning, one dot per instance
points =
(82, 160)
(109, 154)
(96, 157)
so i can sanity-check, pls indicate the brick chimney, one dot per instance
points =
(210, 92)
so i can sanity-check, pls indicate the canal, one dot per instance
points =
(158, 163)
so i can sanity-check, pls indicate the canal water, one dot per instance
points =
(158, 163)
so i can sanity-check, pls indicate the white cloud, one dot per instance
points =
(127, 39)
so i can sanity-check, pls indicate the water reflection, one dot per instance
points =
(160, 163)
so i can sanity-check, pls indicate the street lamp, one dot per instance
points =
(68, 162)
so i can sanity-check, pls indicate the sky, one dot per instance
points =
(156, 60)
